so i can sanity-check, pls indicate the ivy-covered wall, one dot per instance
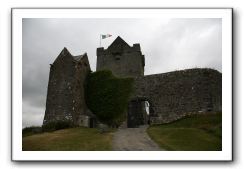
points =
(107, 96)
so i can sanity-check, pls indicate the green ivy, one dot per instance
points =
(107, 96)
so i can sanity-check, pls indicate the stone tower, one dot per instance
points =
(65, 96)
(122, 59)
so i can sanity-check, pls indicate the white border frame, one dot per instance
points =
(224, 155)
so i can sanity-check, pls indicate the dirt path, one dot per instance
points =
(133, 139)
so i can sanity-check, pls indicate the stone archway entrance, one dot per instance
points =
(138, 112)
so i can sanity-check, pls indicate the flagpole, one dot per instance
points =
(100, 40)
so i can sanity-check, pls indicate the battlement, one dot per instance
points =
(112, 50)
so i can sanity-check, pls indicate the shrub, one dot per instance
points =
(27, 131)
(107, 96)
(57, 125)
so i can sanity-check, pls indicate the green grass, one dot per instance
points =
(193, 133)
(73, 139)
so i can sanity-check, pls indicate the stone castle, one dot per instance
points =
(168, 96)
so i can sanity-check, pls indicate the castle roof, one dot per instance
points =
(118, 43)
(65, 53)
(79, 57)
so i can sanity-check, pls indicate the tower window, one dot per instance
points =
(117, 57)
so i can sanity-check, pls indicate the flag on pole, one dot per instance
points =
(106, 36)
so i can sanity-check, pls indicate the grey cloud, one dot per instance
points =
(32, 115)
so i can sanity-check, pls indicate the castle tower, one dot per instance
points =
(122, 59)
(65, 95)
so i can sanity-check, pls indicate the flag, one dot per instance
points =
(106, 36)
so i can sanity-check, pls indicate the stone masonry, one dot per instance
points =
(176, 94)
(65, 96)
(121, 59)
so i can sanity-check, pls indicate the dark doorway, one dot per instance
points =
(138, 113)
(92, 122)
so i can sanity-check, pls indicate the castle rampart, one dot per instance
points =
(175, 94)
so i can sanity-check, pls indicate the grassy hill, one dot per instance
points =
(193, 133)
(73, 139)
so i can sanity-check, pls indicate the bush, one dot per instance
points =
(107, 96)
(27, 131)
(57, 125)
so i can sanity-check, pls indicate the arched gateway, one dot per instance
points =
(140, 110)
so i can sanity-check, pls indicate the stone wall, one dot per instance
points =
(175, 94)
(65, 96)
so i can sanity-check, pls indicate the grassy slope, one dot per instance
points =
(195, 133)
(74, 139)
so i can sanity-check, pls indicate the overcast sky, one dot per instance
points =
(168, 45)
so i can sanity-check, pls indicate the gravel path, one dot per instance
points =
(133, 139)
